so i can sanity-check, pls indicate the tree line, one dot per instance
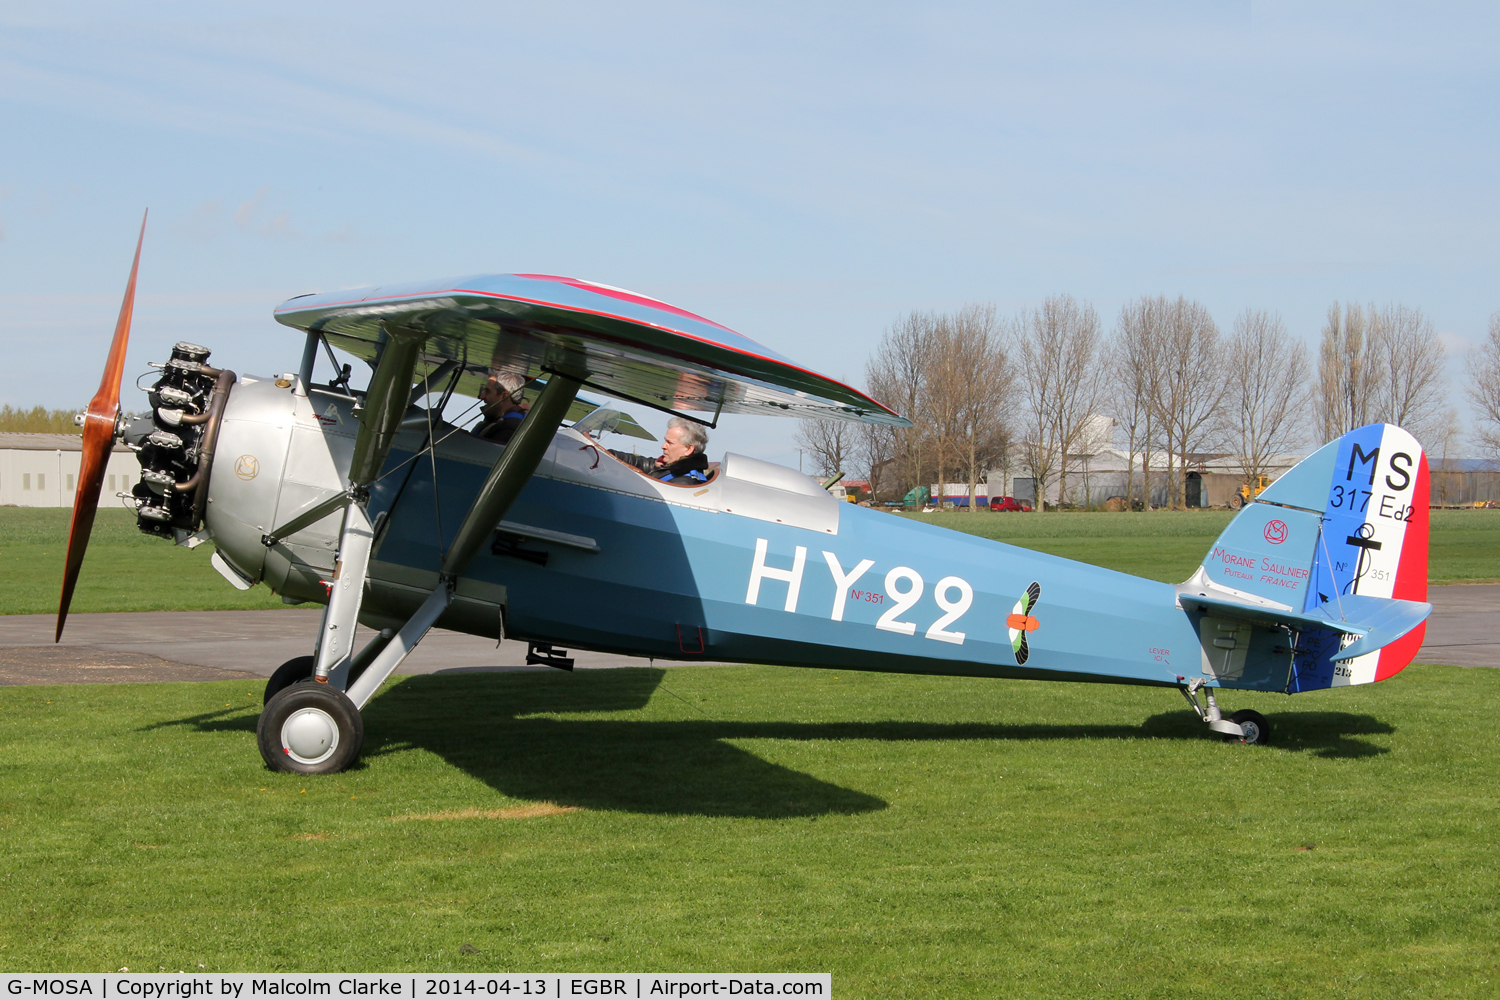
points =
(1040, 392)
(37, 420)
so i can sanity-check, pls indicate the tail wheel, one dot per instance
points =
(310, 728)
(1257, 729)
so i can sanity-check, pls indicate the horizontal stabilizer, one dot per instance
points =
(1374, 621)
(1384, 619)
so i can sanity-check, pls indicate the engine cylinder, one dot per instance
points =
(172, 449)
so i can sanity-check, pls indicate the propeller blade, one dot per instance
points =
(98, 438)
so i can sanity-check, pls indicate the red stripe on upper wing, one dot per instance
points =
(628, 296)
(680, 333)
(782, 362)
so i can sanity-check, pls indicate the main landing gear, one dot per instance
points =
(302, 740)
(311, 722)
(310, 728)
(1244, 726)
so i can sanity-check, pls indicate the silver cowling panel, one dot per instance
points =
(279, 453)
(768, 492)
(317, 468)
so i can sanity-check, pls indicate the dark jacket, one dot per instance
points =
(694, 468)
(500, 421)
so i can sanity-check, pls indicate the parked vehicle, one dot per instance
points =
(1246, 492)
(1009, 503)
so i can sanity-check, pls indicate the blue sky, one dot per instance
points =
(802, 173)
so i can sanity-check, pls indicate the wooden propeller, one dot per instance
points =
(98, 438)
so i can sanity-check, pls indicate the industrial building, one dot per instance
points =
(41, 470)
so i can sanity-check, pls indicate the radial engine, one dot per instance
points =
(175, 443)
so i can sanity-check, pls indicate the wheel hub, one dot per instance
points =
(309, 736)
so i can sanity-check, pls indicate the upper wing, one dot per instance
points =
(632, 346)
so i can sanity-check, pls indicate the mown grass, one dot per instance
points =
(124, 569)
(911, 835)
(128, 571)
(1463, 545)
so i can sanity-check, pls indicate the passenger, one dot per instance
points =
(682, 459)
(504, 407)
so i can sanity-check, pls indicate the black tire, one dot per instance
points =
(1236, 502)
(1257, 729)
(310, 728)
(298, 668)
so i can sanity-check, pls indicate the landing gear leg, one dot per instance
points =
(314, 726)
(1243, 726)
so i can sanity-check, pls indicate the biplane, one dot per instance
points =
(368, 502)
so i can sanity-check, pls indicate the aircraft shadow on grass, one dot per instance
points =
(1322, 734)
(501, 728)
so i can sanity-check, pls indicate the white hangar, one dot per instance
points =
(41, 470)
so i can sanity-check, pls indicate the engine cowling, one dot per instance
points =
(281, 451)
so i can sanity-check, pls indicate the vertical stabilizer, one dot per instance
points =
(1350, 519)
(1374, 543)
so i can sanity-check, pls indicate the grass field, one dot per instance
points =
(913, 836)
(123, 571)
(128, 571)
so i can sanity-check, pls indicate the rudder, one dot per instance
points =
(1350, 519)
(1374, 543)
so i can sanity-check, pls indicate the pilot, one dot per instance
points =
(504, 407)
(682, 453)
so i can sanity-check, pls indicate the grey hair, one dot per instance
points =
(692, 433)
(510, 385)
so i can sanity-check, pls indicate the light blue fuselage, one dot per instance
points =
(672, 578)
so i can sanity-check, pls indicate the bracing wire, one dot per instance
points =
(1335, 579)
(437, 505)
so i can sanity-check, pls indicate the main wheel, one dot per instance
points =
(310, 728)
(298, 668)
(1257, 729)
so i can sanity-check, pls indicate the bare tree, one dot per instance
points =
(1345, 392)
(876, 454)
(979, 383)
(1135, 363)
(944, 370)
(1407, 372)
(1190, 388)
(1057, 353)
(897, 375)
(1380, 364)
(829, 443)
(1449, 435)
(1484, 389)
(1268, 372)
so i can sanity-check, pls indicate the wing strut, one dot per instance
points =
(507, 477)
(379, 418)
(385, 403)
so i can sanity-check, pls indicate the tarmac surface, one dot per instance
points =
(1464, 630)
